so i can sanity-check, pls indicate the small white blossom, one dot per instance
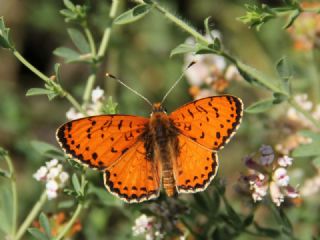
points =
(54, 177)
(276, 194)
(63, 177)
(280, 177)
(97, 94)
(51, 194)
(41, 173)
(52, 163)
(285, 161)
(52, 185)
(53, 172)
(142, 225)
(72, 114)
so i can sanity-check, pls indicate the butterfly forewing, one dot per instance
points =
(99, 141)
(210, 121)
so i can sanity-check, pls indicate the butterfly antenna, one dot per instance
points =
(177, 81)
(134, 91)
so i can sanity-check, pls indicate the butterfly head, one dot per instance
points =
(158, 108)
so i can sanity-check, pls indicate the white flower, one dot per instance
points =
(41, 173)
(54, 172)
(142, 225)
(285, 161)
(51, 194)
(97, 94)
(232, 73)
(276, 194)
(52, 163)
(280, 177)
(54, 177)
(72, 114)
(64, 176)
(52, 185)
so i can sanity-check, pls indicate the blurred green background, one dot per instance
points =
(138, 54)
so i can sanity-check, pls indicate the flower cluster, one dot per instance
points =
(148, 227)
(54, 177)
(93, 108)
(211, 74)
(164, 222)
(305, 31)
(300, 119)
(268, 174)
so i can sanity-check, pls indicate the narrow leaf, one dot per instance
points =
(307, 150)
(43, 147)
(253, 76)
(182, 49)
(76, 183)
(37, 234)
(38, 91)
(79, 40)
(133, 14)
(309, 134)
(67, 53)
(44, 222)
(261, 106)
(69, 5)
(292, 17)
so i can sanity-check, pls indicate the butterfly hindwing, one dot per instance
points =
(195, 166)
(134, 178)
(99, 141)
(210, 121)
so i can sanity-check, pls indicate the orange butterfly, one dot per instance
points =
(138, 154)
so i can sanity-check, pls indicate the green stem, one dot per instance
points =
(91, 41)
(68, 226)
(14, 194)
(305, 113)
(87, 92)
(181, 24)
(30, 66)
(32, 215)
(107, 32)
(75, 103)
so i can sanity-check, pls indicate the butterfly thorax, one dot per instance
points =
(163, 147)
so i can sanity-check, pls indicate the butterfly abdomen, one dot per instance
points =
(165, 139)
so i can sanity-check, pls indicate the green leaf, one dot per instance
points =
(37, 234)
(267, 231)
(285, 221)
(260, 106)
(133, 14)
(310, 134)
(253, 76)
(104, 197)
(44, 222)
(4, 35)
(4, 173)
(68, 54)
(79, 40)
(69, 5)
(43, 147)
(285, 73)
(207, 27)
(182, 49)
(307, 150)
(291, 18)
(38, 91)
(75, 183)
(6, 208)
(66, 204)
